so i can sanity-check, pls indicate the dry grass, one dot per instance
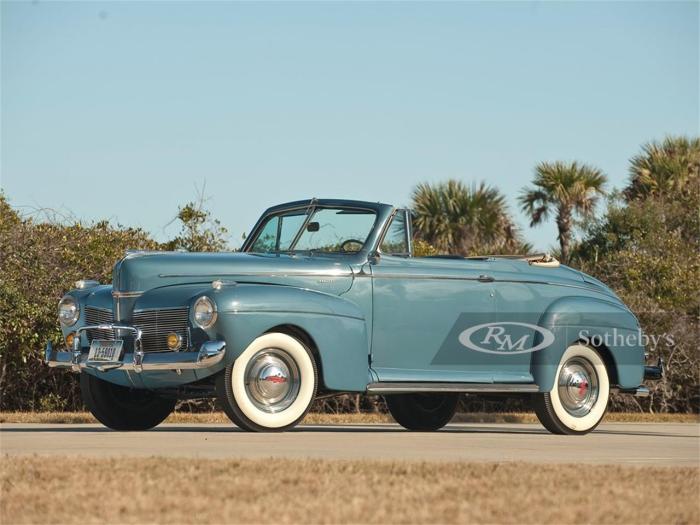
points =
(342, 419)
(159, 490)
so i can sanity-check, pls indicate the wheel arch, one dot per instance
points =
(608, 359)
(302, 335)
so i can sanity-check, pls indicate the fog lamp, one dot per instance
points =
(69, 340)
(174, 341)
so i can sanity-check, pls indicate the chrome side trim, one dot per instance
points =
(210, 354)
(339, 273)
(304, 312)
(426, 277)
(418, 387)
(479, 278)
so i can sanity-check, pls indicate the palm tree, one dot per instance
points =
(669, 167)
(458, 219)
(568, 189)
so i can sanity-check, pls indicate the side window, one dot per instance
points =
(395, 241)
(267, 239)
(278, 233)
(290, 225)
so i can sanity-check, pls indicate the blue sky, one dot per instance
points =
(118, 110)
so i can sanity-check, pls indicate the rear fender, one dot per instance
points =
(607, 326)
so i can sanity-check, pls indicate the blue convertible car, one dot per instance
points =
(326, 296)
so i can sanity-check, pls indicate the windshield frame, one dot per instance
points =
(310, 209)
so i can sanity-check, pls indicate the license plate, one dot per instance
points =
(105, 350)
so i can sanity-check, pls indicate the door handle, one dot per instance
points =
(486, 278)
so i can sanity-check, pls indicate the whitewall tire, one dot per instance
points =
(271, 385)
(579, 397)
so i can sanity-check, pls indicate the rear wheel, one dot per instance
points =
(579, 397)
(122, 408)
(422, 411)
(271, 385)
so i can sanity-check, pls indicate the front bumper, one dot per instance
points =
(209, 354)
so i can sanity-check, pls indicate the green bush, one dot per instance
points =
(647, 248)
(39, 261)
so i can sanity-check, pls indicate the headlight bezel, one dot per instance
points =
(72, 312)
(204, 319)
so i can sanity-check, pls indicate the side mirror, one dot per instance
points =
(313, 227)
(373, 258)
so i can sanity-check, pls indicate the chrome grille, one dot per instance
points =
(155, 326)
(98, 316)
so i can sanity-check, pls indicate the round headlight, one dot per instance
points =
(68, 311)
(204, 312)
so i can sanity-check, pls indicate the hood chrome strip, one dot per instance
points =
(120, 295)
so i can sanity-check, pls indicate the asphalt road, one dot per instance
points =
(613, 443)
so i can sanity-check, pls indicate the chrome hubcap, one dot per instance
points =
(578, 386)
(272, 380)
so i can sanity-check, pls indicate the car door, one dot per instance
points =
(421, 307)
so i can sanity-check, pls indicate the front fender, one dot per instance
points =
(606, 325)
(336, 326)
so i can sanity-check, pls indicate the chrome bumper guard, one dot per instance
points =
(651, 373)
(654, 373)
(209, 354)
(640, 391)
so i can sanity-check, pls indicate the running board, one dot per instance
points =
(475, 388)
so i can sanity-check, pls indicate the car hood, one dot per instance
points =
(142, 271)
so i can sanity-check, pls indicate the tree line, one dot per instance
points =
(644, 242)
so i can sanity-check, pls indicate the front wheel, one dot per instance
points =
(422, 411)
(578, 400)
(122, 408)
(270, 386)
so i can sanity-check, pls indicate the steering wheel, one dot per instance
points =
(349, 241)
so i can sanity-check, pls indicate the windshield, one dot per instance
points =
(328, 230)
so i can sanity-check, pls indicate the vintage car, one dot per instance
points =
(325, 297)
